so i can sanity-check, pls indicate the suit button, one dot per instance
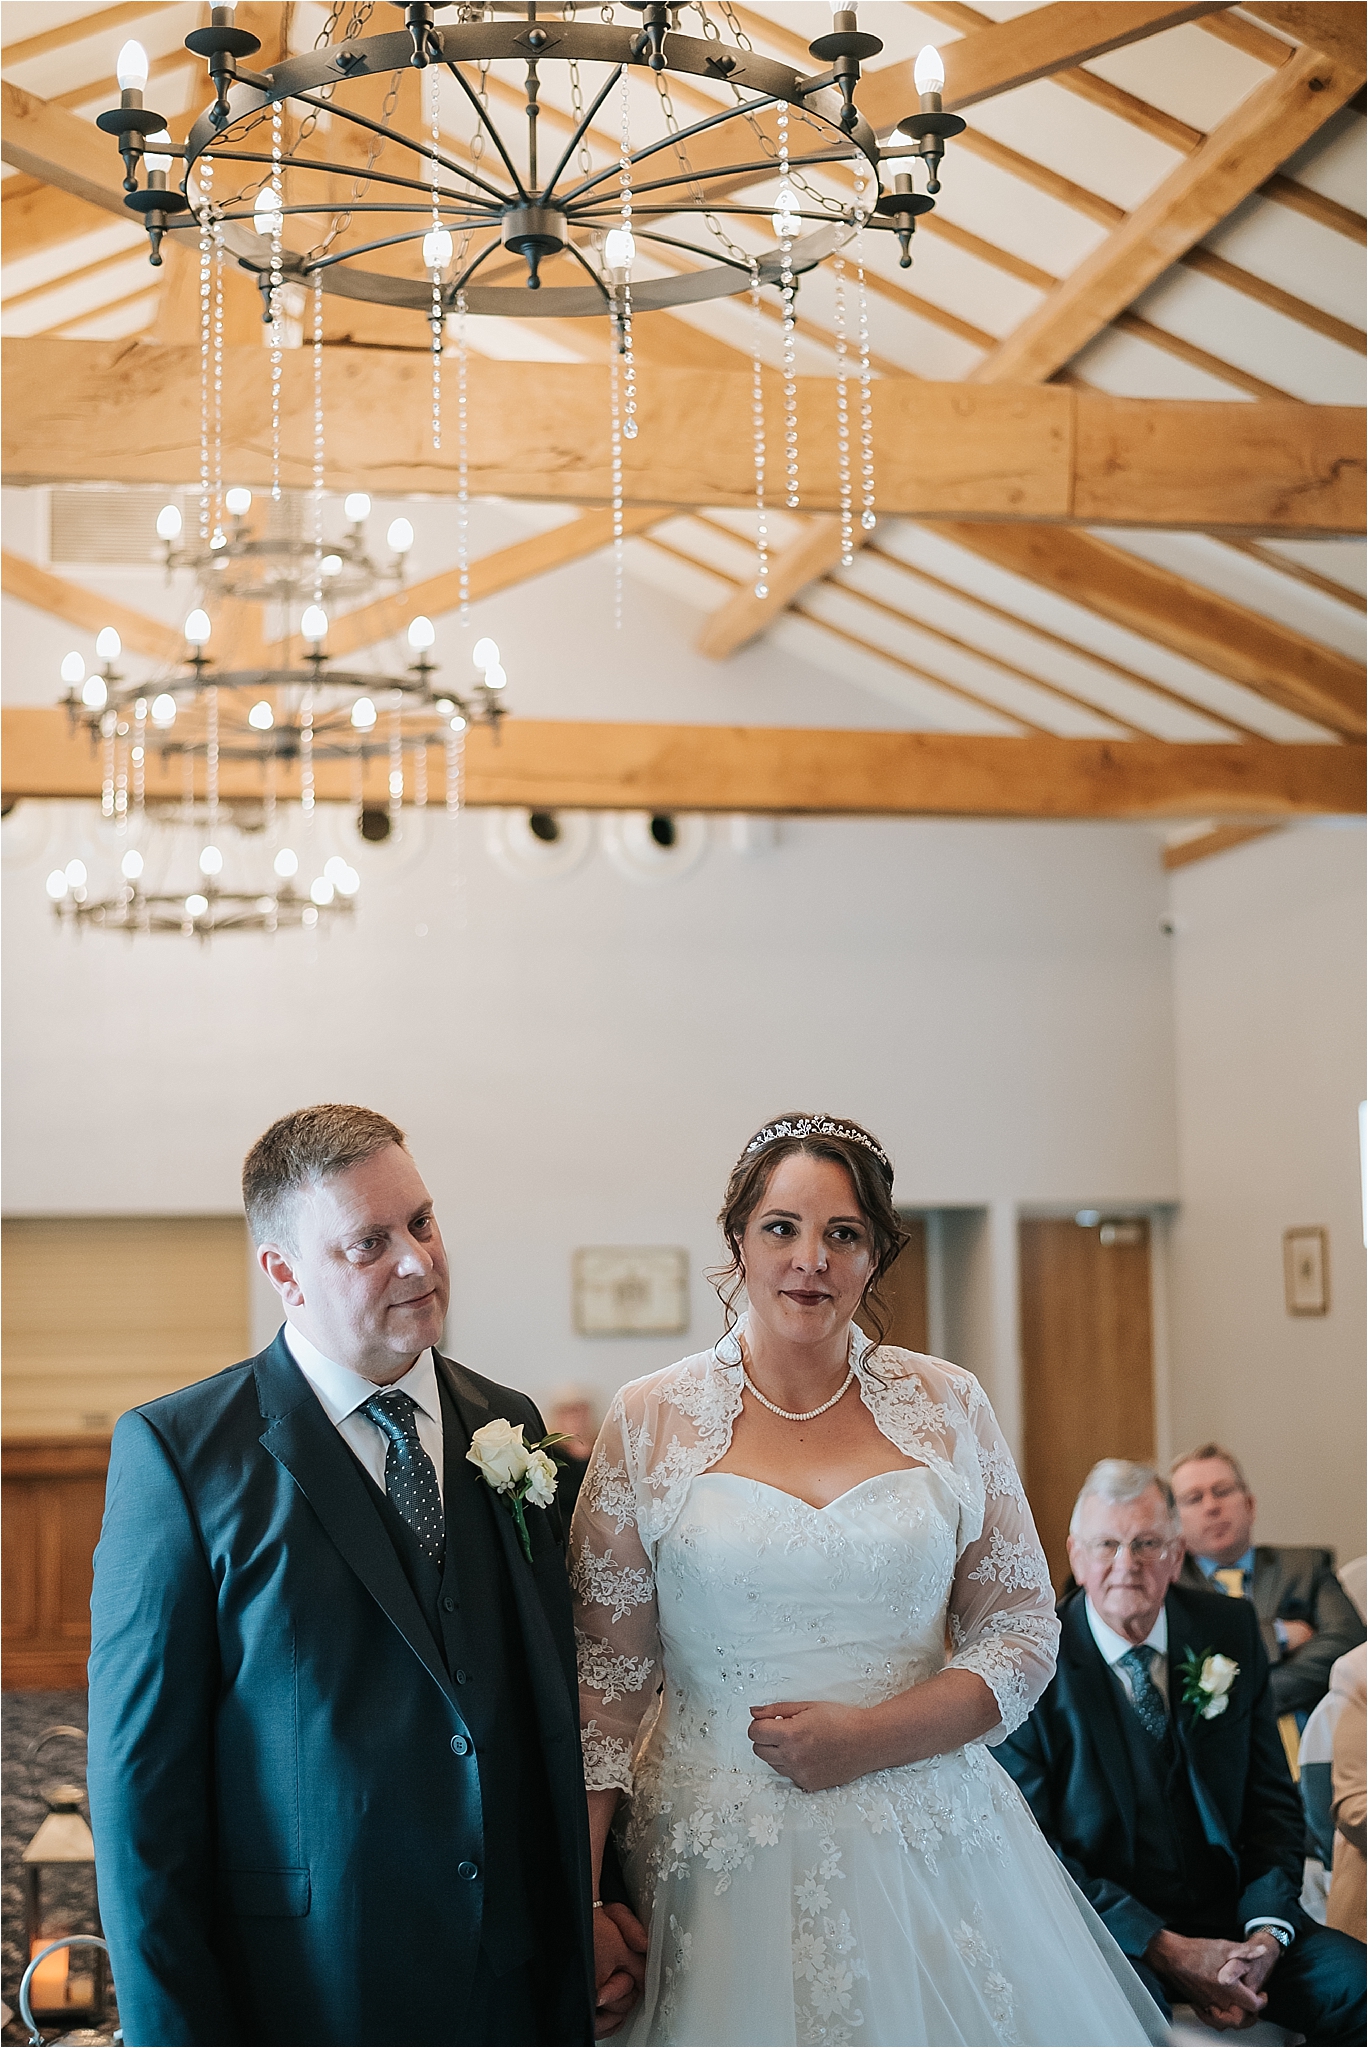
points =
(461, 1677)
(460, 1747)
(448, 1605)
(466, 1870)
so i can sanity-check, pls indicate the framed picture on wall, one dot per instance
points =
(631, 1290)
(1306, 1270)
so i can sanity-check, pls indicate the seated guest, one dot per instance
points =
(1153, 1765)
(1346, 1906)
(1305, 1616)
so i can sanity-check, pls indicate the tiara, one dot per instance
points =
(820, 1127)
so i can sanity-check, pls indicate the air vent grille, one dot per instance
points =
(97, 525)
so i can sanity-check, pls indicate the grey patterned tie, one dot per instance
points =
(410, 1475)
(1145, 1694)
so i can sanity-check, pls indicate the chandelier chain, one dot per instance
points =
(316, 503)
(784, 224)
(276, 310)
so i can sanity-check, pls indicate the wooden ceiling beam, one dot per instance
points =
(82, 608)
(1338, 30)
(1220, 839)
(1328, 213)
(543, 765)
(124, 413)
(1234, 160)
(101, 21)
(997, 57)
(41, 217)
(1298, 571)
(1286, 667)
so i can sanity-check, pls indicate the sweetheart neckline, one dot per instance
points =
(894, 1472)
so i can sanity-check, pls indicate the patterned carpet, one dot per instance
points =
(24, 1718)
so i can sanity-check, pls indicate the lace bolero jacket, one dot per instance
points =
(665, 1429)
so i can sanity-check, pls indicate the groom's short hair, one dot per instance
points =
(299, 1151)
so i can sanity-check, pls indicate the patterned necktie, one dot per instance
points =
(410, 1475)
(1231, 1579)
(1146, 1697)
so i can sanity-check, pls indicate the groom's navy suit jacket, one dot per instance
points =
(1072, 1760)
(291, 1838)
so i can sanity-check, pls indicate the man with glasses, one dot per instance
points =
(1152, 1763)
(1306, 1618)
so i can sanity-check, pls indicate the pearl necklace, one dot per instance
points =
(786, 1413)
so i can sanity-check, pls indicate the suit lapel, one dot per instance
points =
(1194, 1735)
(304, 1443)
(1099, 1713)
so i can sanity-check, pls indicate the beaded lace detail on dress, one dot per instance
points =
(992, 1594)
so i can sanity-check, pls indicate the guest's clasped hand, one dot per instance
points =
(620, 1945)
(1221, 1980)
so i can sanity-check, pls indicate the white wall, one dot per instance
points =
(581, 1059)
(1268, 985)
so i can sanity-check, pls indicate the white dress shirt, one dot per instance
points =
(1114, 1648)
(341, 1393)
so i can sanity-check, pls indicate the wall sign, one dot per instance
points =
(1306, 1270)
(631, 1290)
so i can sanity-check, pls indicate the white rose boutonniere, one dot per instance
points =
(1207, 1679)
(522, 1475)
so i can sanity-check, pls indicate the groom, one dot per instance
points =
(335, 1775)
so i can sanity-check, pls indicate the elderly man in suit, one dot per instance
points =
(1154, 1767)
(335, 1776)
(1306, 1618)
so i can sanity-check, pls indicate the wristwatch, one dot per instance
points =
(1279, 1934)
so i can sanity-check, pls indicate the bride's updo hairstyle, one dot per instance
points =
(871, 1173)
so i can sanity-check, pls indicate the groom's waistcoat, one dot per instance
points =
(470, 1610)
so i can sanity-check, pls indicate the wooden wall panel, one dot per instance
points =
(103, 1312)
(1087, 1361)
(905, 1289)
(53, 1499)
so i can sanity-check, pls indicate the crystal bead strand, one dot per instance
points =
(316, 506)
(629, 404)
(758, 441)
(785, 220)
(420, 775)
(211, 759)
(615, 425)
(206, 287)
(277, 320)
(217, 461)
(439, 247)
(396, 755)
(462, 461)
(867, 519)
(140, 756)
(843, 417)
(108, 729)
(455, 765)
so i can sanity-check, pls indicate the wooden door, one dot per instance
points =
(904, 1290)
(1087, 1361)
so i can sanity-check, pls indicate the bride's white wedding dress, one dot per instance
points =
(915, 1905)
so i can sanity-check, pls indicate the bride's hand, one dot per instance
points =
(814, 1743)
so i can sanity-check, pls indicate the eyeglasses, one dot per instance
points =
(1145, 1549)
(1226, 1492)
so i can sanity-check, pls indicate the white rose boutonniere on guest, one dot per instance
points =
(1207, 1679)
(522, 1475)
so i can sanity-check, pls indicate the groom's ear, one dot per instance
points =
(279, 1270)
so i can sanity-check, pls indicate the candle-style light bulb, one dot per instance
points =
(238, 501)
(437, 246)
(363, 714)
(109, 646)
(158, 148)
(169, 523)
(131, 67)
(197, 628)
(619, 249)
(314, 624)
(356, 505)
(421, 634)
(486, 653)
(400, 536)
(785, 218)
(266, 212)
(73, 668)
(928, 73)
(94, 694)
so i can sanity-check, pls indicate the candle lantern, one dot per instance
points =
(60, 1901)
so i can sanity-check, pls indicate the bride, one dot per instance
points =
(822, 1548)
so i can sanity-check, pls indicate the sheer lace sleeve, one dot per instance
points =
(1002, 1619)
(613, 1578)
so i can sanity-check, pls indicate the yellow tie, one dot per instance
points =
(1231, 1581)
